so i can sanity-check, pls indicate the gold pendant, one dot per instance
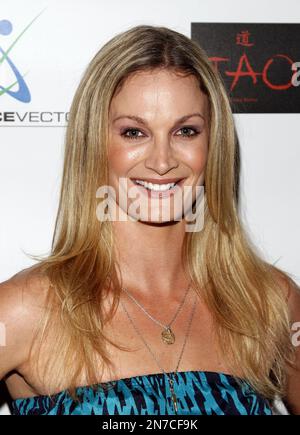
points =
(173, 396)
(168, 336)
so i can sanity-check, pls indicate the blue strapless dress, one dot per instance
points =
(197, 392)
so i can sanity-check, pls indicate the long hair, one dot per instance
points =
(241, 289)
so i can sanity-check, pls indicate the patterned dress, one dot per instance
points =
(197, 393)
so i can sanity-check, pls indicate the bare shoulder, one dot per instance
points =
(22, 301)
(292, 293)
(289, 287)
(294, 300)
(292, 399)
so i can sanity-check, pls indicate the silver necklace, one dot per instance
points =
(171, 381)
(167, 334)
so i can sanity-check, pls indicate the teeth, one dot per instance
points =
(156, 187)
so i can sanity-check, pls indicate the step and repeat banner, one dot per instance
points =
(45, 47)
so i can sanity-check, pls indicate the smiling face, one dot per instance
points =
(158, 136)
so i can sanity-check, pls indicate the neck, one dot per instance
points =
(149, 257)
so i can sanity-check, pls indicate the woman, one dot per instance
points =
(137, 311)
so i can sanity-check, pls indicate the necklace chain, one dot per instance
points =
(171, 381)
(151, 317)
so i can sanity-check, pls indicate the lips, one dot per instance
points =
(159, 193)
(158, 181)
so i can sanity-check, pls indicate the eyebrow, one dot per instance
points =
(144, 122)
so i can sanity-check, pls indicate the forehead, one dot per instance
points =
(160, 89)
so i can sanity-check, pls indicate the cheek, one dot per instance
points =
(114, 163)
(122, 158)
(118, 161)
(196, 159)
(199, 163)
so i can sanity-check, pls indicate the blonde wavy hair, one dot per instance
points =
(241, 289)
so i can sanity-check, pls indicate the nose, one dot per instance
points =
(161, 157)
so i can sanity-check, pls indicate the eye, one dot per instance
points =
(186, 129)
(131, 130)
(134, 132)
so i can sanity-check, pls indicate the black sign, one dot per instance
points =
(257, 63)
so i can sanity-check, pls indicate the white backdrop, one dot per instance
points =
(53, 52)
